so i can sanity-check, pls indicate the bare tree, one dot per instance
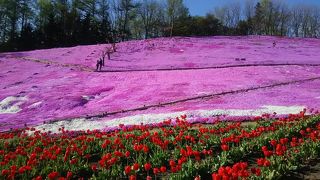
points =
(147, 12)
(137, 25)
(235, 13)
(221, 14)
(121, 17)
(306, 16)
(229, 14)
(175, 9)
(249, 9)
(314, 22)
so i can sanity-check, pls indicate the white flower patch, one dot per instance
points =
(85, 124)
(35, 105)
(89, 98)
(11, 104)
(282, 109)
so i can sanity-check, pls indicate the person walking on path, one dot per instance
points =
(108, 53)
(104, 54)
(98, 65)
(102, 59)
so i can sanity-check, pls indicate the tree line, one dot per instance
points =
(35, 24)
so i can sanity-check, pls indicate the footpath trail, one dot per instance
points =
(108, 69)
(54, 63)
(210, 67)
(202, 97)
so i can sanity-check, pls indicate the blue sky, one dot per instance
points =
(201, 7)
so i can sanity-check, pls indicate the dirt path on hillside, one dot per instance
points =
(50, 62)
(90, 69)
(210, 67)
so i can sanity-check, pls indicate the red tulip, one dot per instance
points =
(293, 144)
(216, 176)
(136, 166)
(127, 154)
(118, 153)
(69, 175)
(253, 170)
(155, 171)
(278, 147)
(127, 169)
(21, 170)
(264, 148)
(244, 165)
(225, 177)
(308, 130)
(258, 172)
(172, 163)
(266, 163)
(73, 161)
(284, 141)
(267, 153)
(145, 149)
(273, 142)
(132, 177)
(38, 178)
(94, 167)
(5, 172)
(163, 169)
(221, 171)
(225, 147)
(147, 166)
(260, 161)
(53, 175)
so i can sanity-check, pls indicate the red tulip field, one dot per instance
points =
(264, 148)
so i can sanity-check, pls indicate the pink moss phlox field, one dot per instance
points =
(43, 92)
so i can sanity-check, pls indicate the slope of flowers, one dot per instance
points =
(187, 52)
(172, 149)
(47, 85)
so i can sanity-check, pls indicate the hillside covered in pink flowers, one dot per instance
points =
(200, 77)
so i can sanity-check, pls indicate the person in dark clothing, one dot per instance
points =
(98, 65)
(108, 53)
(102, 60)
(114, 49)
